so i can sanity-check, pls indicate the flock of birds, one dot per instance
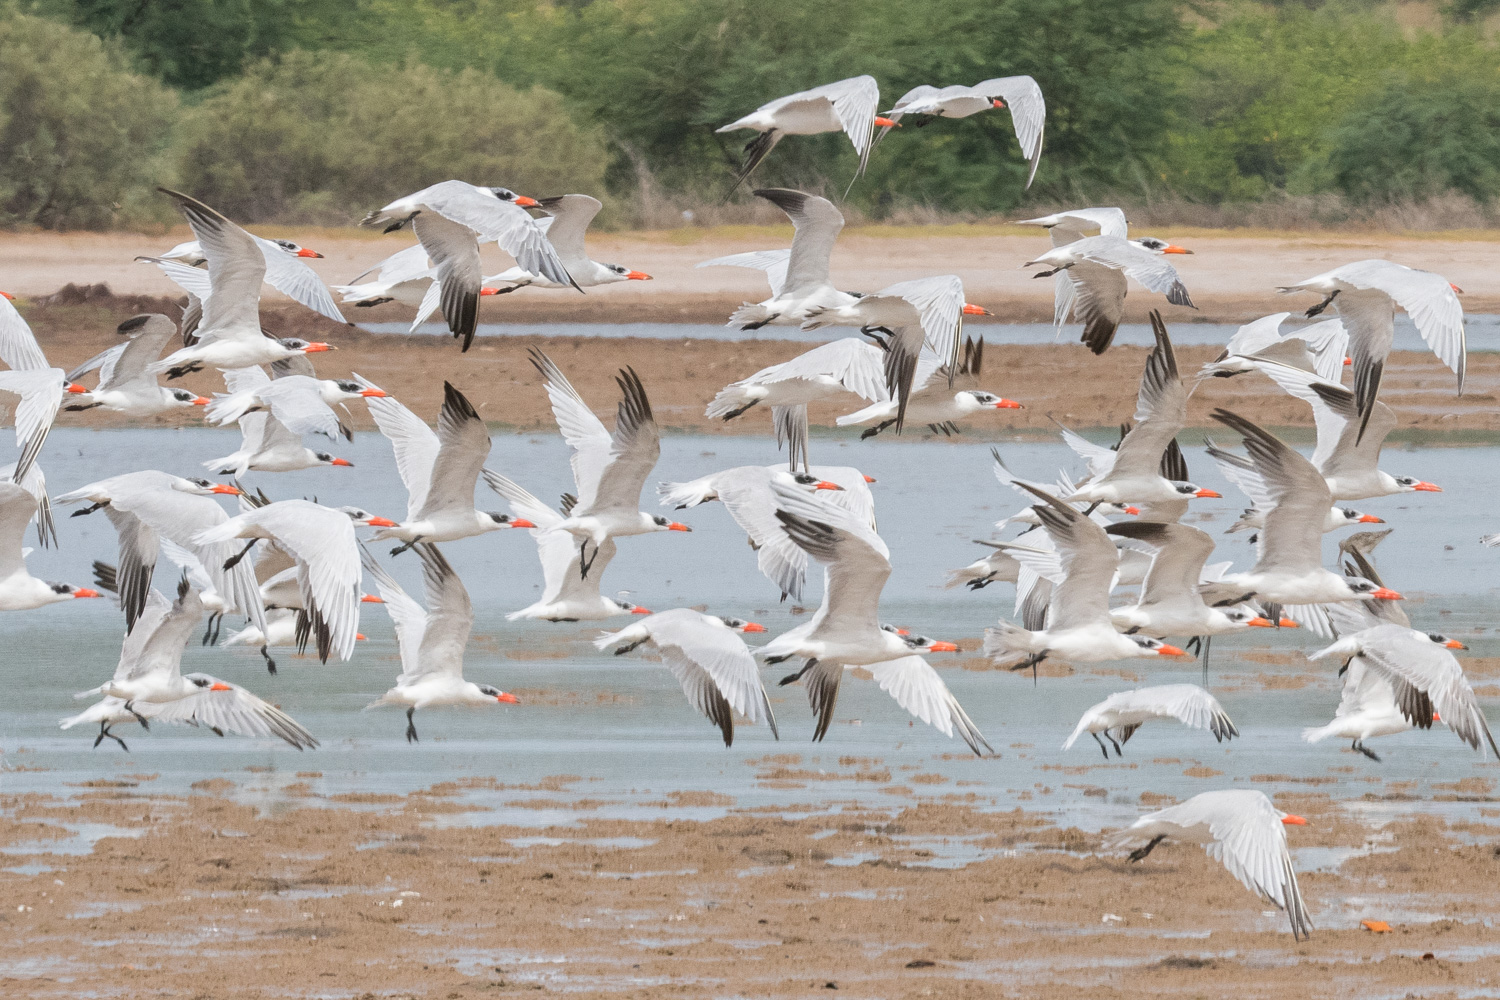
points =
(294, 568)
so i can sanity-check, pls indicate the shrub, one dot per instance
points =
(331, 133)
(81, 137)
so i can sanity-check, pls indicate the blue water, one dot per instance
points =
(623, 728)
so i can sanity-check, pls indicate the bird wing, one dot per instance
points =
(634, 449)
(1028, 113)
(592, 445)
(857, 560)
(857, 364)
(133, 647)
(408, 617)
(454, 249)
(746, 494)
(855, 496)
(1150, 270)
(571, 215)
(1177, 552)
(1240, 471)
(1415, 666)
(18, 346)
(40, 391)
(1088, 561)
(450, 615)
(297, 402)
(775, 264)
(464, 446)
(939, 301)
(1328, 342)
(854, 102)
(16, 509)
(1257, 335)
(696, 650)
(1292, 539)
(1187, 703)
(816, 224)
(1364, 689)
(292, 277)
(1250, 841)
(1429, 300)
(229, 708)
(493, 220)
(129, 364)
(1160, 410)
(1109, 221)
(236, 268)
(1096, 296)
(413, 442)
(163, 648)
(403, 265)
(916, 687)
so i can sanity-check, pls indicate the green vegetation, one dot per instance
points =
(320, 109)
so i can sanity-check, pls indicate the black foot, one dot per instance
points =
(103, 732)
(88, 510)
(981, 583)
(1140, 853)
(234, 560)
(876, 430)
(1318, 309)
(411, 727)
(735, 413)
(794, 678)
(1366, 751)
(270, 663)
(402, 548)
(628, 648)
(1114, 743)
(145, 724)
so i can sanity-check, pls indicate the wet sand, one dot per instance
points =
(368, 895)
(1061, 381)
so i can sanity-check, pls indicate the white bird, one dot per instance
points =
(125, 386)
(746, 493)
(567, 595)
(229, 334)
(1288, 567)
(847, 106)
(846, 632)
(153, 677)
(402, 277)
(1367, 709)
(1366, 294)
(933, 400)
(609, 470)
(285, 271)
(801, 282)
(998, 566)
(35, 483)
(913, 315)
(1134, 474)
(1078, 626)
(1321, 348)
(1348, 460)
(19, 590)
(1028, 109)
(1242, 472)
(321, 540)
(39, 394)
(1127, 711)
(1424, 675)
(266, 444)
(147, 506)
(709, 659)
(18, 346)
(300, 403)
(825, 373)
(1241, 829)
(432, 641)
(451, 219)
(570, 215)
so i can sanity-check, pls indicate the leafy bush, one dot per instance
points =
(333, 134)
(81, 137)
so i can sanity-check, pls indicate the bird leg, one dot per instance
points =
(793, 678)
(586, 564)
(90, 508)
(1365, 750)
(402, 548)
(735, 413)
(411, 727)
(130, 707)
(876, 429)
(234, 560)
(182, 370)
(1104, 749)
(270, 663)
(1208, 642)
(982, 582)
(1140, 853)
(81, 406)
(1113, 743)
(103, 732)
(1317, 309)
(1193, 645)
(1031, 661)
(629, 647)
(367, 303)
(211, 631)
(778, 659)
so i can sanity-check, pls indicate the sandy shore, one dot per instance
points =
(368, 895)
(1232, 277)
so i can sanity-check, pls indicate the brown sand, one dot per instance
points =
(1064, 381)
(215, 900)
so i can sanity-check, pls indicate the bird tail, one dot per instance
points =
(1313, 734)
(1083, 725)
(751, 315)
(682, 495)
(1007, 642)
(865, 416)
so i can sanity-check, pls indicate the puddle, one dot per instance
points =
(83, 837)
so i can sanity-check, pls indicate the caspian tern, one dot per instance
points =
(322, 541)
(570, 217)
(1367, 708)
(567, 595)
(1089, 272)
(847, 106)
(229, 335)
(1127, 711)
(39, 394)
(18, 346)
(1242, 472)
(997, 567)
(1321, 348)
(1425, 676)
(1366, 294)
(825, 373)
(431, 640)
(845, 631)
(266, 444)
(709, 659)
(451, 219)
(145, 507)
(402, 277)
(933, 401)
(35, 483)
(1078, 625)
(300, 403)
(1028, 109)
(439, 471)
(285, 271)
(746, 493)
(1241, 828)
(19, 590)
(153, 677)
(124, 384)
(1134, 476)
(608, 469)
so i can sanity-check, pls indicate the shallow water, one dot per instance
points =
(1483, 331)
(621, 727)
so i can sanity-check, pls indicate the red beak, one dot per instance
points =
(377, 522)
(1370, 519)
(342, 461)
(678, 526)
(372, 599)
(317, 348)
(1009, 404)
(826, 485)
(1259, 622)
(7, 295)
(903, 631)
(508, 698)
(943, 647)
(995, 102)
(304, 252)
(1435, 717)
(201, 401)
(1294, 821)
(886, 122)
(752, 627)
(970, 309)
(637, 276)
(219, 686)
(1208, 493)
(1428, 488)
(1171, 248)
(374, 393)
(869, 479)
(1455, 644)
(521, 522)
(225, 489)
(76, 388)
(1459, 291)
(1348, 361)
(525, 202)
(638, 610)
(86, 592)
(487, 290)
(1132, 511)
(1166, 650)
(1385, 594)
(1287, 623)
(360, 635)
